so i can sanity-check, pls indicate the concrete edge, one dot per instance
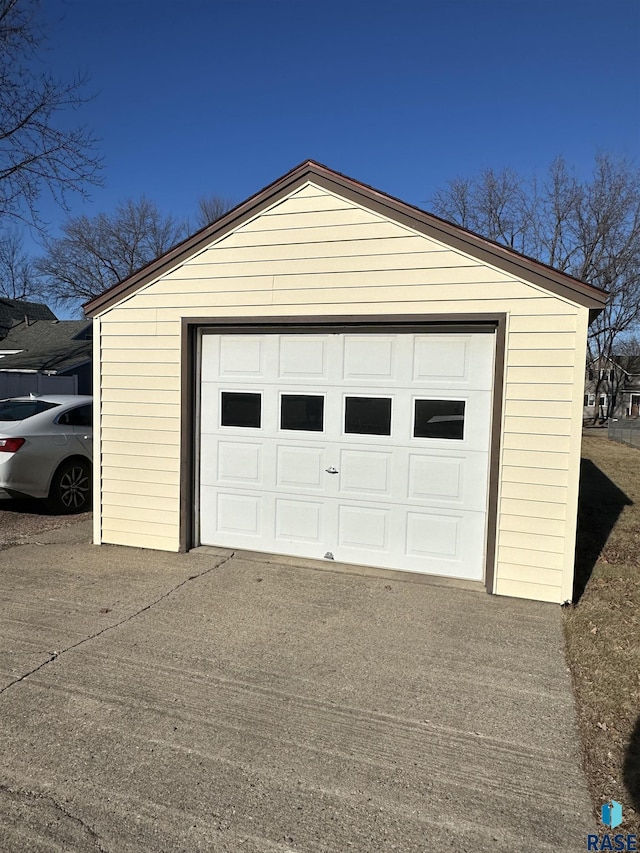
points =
(342, 568)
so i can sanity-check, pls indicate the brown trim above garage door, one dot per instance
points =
(191, 326)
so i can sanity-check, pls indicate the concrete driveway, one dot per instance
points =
(220, 702)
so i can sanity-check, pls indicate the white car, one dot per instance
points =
(46, 449)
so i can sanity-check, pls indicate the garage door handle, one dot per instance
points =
(331, 470)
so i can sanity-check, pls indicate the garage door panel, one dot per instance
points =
(440, 479)
(365, 472)
(435, 359)
(241, 357)
(299, 467)
(362, 528)
(430, 535)
(363, 448)
(234, 463)
(240, 463)
(431, 541)
(303, 357)
(239, 513)
(463, 361)
(369, 358)
(299, 520)
(435, 478)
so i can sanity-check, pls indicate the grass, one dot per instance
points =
(602, 630)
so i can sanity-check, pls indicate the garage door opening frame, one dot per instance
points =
(193, 327)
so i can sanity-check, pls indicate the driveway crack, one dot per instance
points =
(57, 654)
(22, 793)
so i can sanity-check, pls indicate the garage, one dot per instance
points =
(329, 373)
(362, 448)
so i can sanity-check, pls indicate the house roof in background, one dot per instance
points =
(426, 223)
(46, 345)
(15, 310)
(629, 363)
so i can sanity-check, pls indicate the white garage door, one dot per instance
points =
(363, 448)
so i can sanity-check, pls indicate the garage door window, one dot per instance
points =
(439, 419)
(241, 409)
(302, 412)
(367, 415)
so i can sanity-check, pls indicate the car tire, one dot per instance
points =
(71, 487)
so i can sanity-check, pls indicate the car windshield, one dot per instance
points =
(18, 410)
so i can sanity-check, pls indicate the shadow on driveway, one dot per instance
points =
(24, 506)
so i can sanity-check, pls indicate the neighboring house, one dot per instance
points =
(46, 356)
(612, 388)
(17, 310)
(327, 372)
(603, 379)
(630, 391)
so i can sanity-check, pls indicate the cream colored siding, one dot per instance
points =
(140, 415)
(527, 524)
(315, 253)
(526, 589)
(533, 510)
(542, 477)
(541, 358)
(97, 450)
(523, 408)
(548, 577)
(132, 397)
(539, 426)
(530, 558)
(546, 443)
(114, 461)
(131, 534)
(534, 491)
(574, 457)
(143, 476)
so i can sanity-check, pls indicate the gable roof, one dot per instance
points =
(46, 345)
(455, 236)
(15, 310)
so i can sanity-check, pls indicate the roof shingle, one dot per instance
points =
(46, 345)
(15, 310)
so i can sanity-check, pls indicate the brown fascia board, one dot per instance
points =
(452, 235)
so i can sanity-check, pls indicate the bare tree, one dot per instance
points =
(589, 229)
(98, 252)
(494, 204)
(38, 148)
(210, 208)
(18, 277)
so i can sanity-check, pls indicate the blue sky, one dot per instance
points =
(196, 98)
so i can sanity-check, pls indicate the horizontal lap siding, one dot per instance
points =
(534, 511)
(132, 535)
(140, 421)
(524, 588)
(540, 434)
(317, 254)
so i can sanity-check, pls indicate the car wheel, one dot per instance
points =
(71, 486)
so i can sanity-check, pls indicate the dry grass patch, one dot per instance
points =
(602, 630)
